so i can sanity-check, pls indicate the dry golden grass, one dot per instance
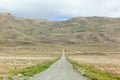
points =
(19, 57)
(12, 63)
(108, 62)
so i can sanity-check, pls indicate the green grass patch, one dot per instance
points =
(1, 78)
(92, 73)
(30, 71)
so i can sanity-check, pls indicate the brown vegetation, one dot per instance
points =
(107, 62)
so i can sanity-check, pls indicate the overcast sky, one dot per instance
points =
(60, 9)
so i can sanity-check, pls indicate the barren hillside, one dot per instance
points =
(72, 31)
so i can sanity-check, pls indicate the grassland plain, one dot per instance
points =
(22, 57)
(24, 66)
(97, 66)
(14, 57)
(30, 71)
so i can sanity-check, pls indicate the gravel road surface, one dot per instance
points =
(61, 70)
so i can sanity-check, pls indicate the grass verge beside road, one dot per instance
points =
(30, 71)
(92, 73)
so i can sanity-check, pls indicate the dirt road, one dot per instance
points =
(61, 70)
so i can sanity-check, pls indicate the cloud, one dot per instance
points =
(58, 9)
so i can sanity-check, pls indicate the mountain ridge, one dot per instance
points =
(72, 31)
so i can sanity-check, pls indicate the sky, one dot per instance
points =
(60, 9)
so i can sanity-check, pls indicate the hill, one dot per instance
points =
(72, 31)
